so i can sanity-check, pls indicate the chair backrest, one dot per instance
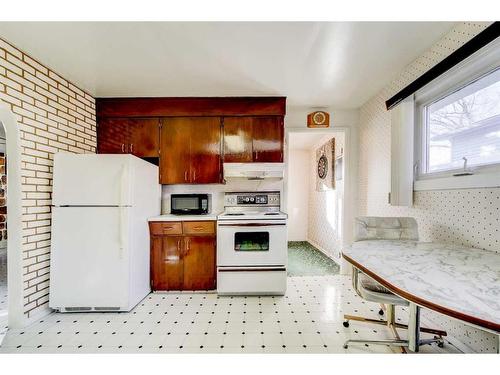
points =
(385, 228)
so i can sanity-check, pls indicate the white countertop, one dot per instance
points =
(461, 281)
(170, 217)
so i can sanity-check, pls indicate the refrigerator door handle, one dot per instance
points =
(124, 179)
(123, 231)
(124, 188)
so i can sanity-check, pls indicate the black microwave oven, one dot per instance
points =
(189, 204)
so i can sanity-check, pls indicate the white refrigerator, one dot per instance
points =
(100, 235)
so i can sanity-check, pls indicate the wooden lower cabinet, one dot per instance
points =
(185, 260)
(199, 262)
(167, 263)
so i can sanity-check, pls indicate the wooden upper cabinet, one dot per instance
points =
(137, 136)
(253, 139)
(112, 136)
(268, 133)
(238, 139)
(144, 137)
(206, 162)
(190, 150)
(175, 160)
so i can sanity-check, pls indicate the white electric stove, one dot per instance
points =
(252, 245)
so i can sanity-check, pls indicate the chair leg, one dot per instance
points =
(348, 318)
(398, 342)
(392, 325)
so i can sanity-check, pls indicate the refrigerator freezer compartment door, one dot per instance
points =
(92, 180)
(89, 257)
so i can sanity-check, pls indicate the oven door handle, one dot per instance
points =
(251, 269)
(252, 225)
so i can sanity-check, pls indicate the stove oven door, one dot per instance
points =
(251, 243)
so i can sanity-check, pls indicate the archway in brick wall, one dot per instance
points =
(14, 216)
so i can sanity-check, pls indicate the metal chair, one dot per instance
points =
(384, 228)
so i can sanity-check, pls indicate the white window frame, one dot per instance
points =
(471, 69)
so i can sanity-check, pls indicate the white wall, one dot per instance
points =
(463, 217)
(296, 117)
(325, 219)
(299, 167)
(217, 191)
(341, 120)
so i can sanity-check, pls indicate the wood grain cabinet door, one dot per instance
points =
(199, 262)
(167, 265)
(175, 157)
(206, 163)
(112, 136)
(238, 140)
(268, 133)
(144, 137)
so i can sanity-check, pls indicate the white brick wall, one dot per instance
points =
(458, 216)
(54, 115)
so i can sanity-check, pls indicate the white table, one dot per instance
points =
(460, 282)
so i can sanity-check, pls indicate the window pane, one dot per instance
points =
(466, 124)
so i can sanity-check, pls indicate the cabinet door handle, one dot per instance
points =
(123, 148)
(194, 177)
(179, 248)
(185, 175)
(131, 147)
(187, 245)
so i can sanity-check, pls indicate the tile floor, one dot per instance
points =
(308, 319)
(306, 260)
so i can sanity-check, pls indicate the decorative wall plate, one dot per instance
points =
(325, 166)
(322, 167)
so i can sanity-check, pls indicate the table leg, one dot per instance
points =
(414, 328)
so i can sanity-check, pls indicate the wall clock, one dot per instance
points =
(318, 119)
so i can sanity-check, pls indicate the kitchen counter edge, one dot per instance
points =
(171, 217)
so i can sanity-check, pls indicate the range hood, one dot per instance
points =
(254, 171)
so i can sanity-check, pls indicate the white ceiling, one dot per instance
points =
(340, 64)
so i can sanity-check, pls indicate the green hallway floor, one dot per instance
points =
(305, 260)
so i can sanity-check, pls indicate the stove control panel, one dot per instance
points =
(256, 199)
(252, 199)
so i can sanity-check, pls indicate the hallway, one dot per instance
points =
(305, 260)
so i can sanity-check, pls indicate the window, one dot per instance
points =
(457, 125)
(464, 127)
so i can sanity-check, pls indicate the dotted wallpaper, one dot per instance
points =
(325, 207)
(467, 217)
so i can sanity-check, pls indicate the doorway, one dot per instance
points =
(3, 235)
(11, 311)
(315, 201)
